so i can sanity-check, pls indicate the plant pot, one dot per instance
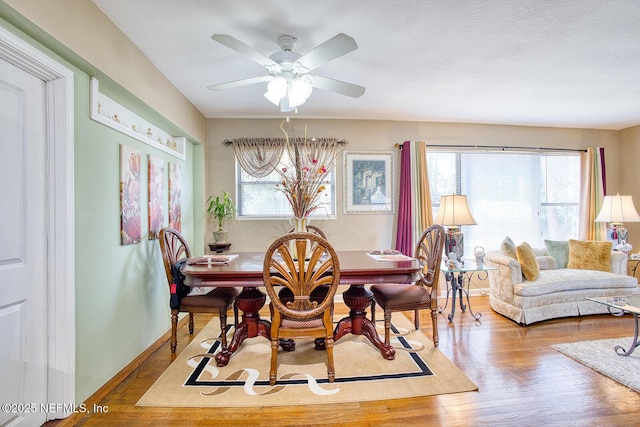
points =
(220, 236)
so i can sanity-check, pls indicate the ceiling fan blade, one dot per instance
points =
(235, 44)
(238, 83)
(337, 86)
(333, 48)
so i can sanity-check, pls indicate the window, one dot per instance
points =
(258, 198)
(527, 196)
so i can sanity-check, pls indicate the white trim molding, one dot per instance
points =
(108, 112)
(61, 346)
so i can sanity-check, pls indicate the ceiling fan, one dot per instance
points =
(290, 83)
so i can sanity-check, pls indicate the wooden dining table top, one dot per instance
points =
(356, 267)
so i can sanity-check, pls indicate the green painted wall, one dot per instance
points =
(121, 291)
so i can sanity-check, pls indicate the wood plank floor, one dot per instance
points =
(522, 382)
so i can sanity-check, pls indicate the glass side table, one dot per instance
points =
(458, 281)
(618, 306)
(632, 266)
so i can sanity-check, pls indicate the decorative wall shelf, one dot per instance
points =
(108, 112)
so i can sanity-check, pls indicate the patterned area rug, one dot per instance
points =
(599, 355)
(193, 380)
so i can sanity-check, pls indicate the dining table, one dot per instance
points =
(357, 269)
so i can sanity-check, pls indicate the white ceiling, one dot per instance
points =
(569, 63)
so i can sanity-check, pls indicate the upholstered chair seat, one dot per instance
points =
(401, 298)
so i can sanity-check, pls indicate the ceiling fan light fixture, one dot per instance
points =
(299, 91)
(289, 84)
(276, 90)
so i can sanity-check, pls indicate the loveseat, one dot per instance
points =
(559, 289)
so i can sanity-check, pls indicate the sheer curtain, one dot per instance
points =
(592, 191)
(259, 156)
(320, 150)
(414, 200)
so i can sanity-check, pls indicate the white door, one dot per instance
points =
(23, 247)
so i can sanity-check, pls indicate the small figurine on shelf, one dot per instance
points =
(452, 261)
(478, 252)
(624, 247)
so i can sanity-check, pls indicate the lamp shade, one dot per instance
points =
(454, 211)
(618, 209)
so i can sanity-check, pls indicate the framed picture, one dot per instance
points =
(130, 227)
(157, 196)
(368, 182)
(175, 192)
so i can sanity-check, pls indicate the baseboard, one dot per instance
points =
(118, 378)
(472, 293)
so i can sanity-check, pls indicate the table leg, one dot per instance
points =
(620, 350)
(460, 285)
(249, 301)
(462, 279)
(358, 298)
(451, 278)
(446, 301)
(458, 288)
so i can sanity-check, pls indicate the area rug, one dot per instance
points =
(599, 355)
(193, 380)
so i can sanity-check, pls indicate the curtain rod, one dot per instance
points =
(501, 148)
(228, 142)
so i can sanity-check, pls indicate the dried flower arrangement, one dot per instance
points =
(303, 182)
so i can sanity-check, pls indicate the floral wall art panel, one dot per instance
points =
(157, 196)
(175, 191)
(368, 179)
(130, 228)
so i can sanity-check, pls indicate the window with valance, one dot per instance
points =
(258, 161)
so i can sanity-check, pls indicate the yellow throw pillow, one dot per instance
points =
(590, 255)
(528, 262)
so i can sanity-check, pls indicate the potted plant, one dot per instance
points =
(220, 208)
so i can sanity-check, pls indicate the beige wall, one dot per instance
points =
(82, 27)
(629, 176)
(354, 232)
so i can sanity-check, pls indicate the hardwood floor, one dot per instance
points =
(522, 382)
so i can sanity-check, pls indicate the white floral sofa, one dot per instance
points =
(555, 292)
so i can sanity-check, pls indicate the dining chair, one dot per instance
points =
(414, 296)
(319, 293)
(175, 251)
(301, 318)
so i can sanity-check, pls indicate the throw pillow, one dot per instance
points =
(527, 260)
(589, 255)
(546, 262)
(559, 249)
(508, 248)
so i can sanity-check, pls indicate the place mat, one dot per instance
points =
(389, 255)
(211, 259)
(194, 380)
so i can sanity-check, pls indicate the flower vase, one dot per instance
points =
(299, 226)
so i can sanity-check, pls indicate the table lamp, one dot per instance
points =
(616, 210)
(454, 212)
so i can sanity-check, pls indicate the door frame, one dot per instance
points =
(60, 298)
